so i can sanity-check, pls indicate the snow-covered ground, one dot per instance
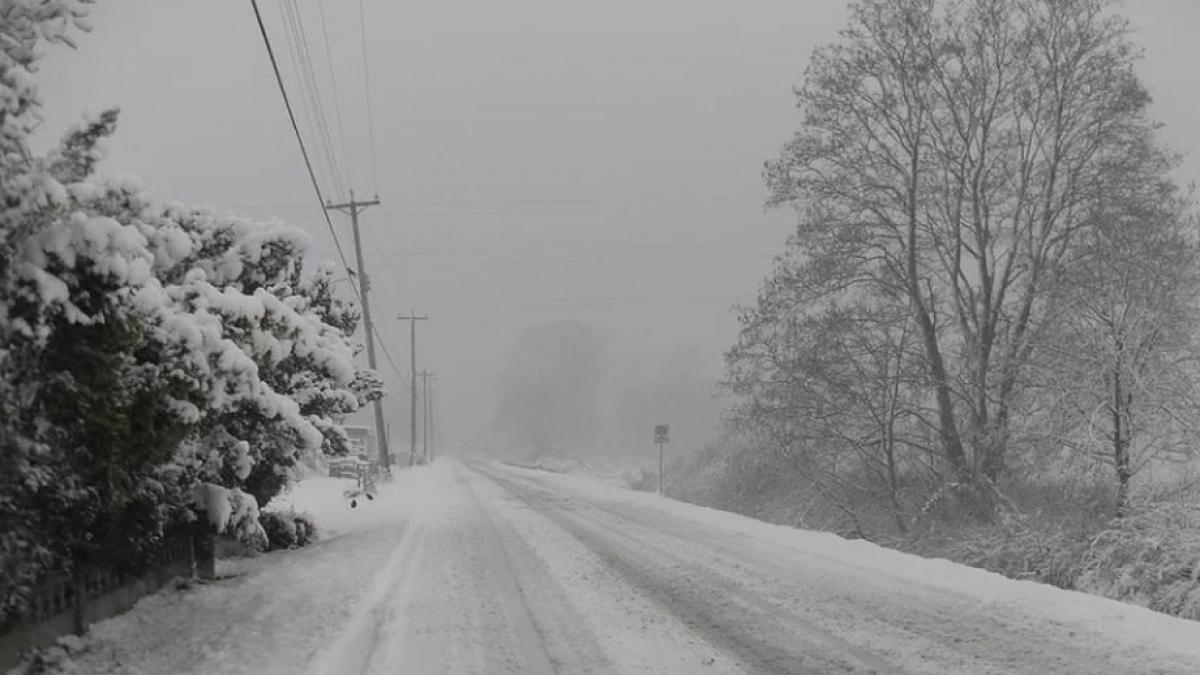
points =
(483, 568)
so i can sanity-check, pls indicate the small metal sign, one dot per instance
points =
(662, 433)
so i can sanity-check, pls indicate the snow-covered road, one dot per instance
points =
(480, 568)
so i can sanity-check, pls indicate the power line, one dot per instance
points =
(388, 355)
(553, 206)
(308, 79)
(387, 219)
(362, 28)
(291, 40)
(335, 159)
(303, 151)
(490, 306)
(601, 201)
(321, 201)
(310, 119)
(337, 101)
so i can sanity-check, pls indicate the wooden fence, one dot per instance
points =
(64, 604)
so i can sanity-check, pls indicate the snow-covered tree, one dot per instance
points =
(155, 360)
(950, 155)
(1119, 377)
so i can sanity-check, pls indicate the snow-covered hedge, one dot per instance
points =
(156, 361)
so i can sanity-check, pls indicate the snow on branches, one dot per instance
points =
(151, 355)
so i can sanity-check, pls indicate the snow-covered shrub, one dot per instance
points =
(1018, 548)
(288, 529)
(232, 513)
(145, 349)
(56, 658)
(1150, 557)
(280, 529)
(84, 417)
(641, 480)
(306, 530)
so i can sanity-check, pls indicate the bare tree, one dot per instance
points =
(1120, 366)
(949, 156)
(828, 384)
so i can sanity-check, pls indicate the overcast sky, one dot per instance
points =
(536, 159)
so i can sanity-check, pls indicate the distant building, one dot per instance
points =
(362, 441)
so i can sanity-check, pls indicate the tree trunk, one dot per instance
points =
(948, 429)
(1120, 442)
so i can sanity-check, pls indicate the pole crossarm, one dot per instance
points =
(352, 207)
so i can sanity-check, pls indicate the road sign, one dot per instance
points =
(662, 433)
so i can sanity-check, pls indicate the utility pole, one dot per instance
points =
(353, 208)
(432, 423)
(412, 448)
(425, 412)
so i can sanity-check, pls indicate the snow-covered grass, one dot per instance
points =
(1026, 548)
(1150, 558)
(1064, 534)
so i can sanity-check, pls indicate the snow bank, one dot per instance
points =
(324, 499)
(616, 470)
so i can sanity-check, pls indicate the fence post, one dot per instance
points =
(204, 548)
(78, 586)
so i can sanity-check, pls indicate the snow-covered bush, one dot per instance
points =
(81, 414)
(56, 658)
(641, 480)
(230, 512)
(288, 529)
(1151, 558)
(1018, 548)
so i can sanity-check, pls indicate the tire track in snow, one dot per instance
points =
(928, 632)
(760, 635)
(352, 651)
(772, 636)
(530, 639)
(940, 631)
(593, 620)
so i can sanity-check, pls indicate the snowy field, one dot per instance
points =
(482, 568)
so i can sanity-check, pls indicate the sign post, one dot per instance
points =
(662, 434)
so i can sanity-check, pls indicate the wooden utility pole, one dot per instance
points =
(432, 423)
(425, 413)
(353, 208)
(412, 448)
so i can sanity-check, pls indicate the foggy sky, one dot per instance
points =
(538, 160)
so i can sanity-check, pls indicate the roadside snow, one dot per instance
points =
(324, 498)
(274, 613)
(492, 569)
(1138, 629)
